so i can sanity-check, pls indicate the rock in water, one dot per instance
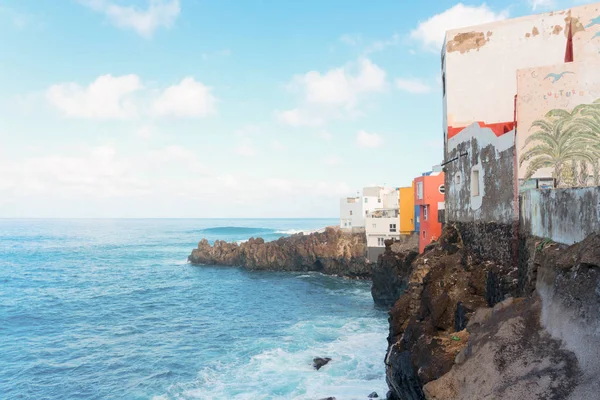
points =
(319, 362)
(331, 252)
(373, 395)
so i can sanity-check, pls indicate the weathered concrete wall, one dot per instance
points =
(488, 240)
(564, 215)
(493, 159)
(373, 253)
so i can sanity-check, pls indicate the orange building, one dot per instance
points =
(406, 204)
(429, 197)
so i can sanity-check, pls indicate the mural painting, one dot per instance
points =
(558, 132)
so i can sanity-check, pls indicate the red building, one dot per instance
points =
(429, 197)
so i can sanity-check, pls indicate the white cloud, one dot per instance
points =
(343, 85)
(245, 148)
(535, 4)
(333, 94)
(189, 98)
(365, 139)
(297, 117)
(159, 13)
(106, 97)
(332, 160)
(114, 97)
(145, 132)
(432, 31)
(103, 181)
(415, 86)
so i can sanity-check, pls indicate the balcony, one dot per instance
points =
(384, 213)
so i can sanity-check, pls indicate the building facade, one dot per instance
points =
(530, 73)
(407, 210)
(381, 223)
(429, 198)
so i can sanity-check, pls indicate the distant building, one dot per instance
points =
(381, 223)
(407, 210)
(429, 192)
(351, 213)
(353, 210)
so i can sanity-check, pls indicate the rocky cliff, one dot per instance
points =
(331, 252)
(460, 331)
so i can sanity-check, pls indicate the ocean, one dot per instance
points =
(110, 309)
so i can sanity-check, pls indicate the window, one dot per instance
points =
(424, 234)
(419, 190)
(425, 213)
(349, 223)
(442, 189)
(366, 212)
(350, 212)
(418, 219)
(379, 200)
(381, 242)
(366, 200)
(392, 227)
(475, 183)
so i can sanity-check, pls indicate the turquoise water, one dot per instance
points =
(109, 309)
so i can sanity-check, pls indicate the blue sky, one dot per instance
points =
(198, 108)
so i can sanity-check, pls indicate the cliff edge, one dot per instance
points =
(331, 252)
(466, 328)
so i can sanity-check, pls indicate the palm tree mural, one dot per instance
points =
(562, 140)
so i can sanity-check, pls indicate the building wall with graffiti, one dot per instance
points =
(559, 123)
(479, 77)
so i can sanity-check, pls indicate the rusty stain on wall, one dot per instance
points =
(575, 24)
(535, 31)
(465, 42)
(557, 29)
(528, 35)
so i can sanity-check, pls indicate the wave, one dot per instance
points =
(281, 368)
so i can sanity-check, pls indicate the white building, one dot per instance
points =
(351, 213)
(376, 212)
(382, 223)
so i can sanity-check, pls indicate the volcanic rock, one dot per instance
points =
(319, 362)
(331, 252)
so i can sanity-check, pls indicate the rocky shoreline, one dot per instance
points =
(330, 251)
(467, 328)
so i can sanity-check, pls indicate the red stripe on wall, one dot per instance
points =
(499, 128)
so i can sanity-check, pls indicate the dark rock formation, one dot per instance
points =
(331, 252)
(373, 395)
(509, 356)
(446, 343)
(390, 275)
(319, 362)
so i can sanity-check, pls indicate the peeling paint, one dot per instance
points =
(535, 31)
(557, 29)
(465, 42)
(528, 35)
(575, 24)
